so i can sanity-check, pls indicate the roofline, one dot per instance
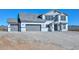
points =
(57, 11)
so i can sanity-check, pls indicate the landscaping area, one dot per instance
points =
(39, 40)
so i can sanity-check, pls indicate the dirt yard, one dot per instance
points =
(39, 40)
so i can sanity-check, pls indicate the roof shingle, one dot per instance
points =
(30, 18)
(12, 20)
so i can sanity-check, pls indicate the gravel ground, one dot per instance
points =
(39, 40)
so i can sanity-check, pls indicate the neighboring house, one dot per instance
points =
(3, 28)
(49, 22)
(73, 28)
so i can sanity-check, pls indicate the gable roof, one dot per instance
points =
(55, 12)
(30, 17)
(64, 14)
(52, 12)
(12, 21)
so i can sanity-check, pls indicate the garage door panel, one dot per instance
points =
(14, 27)
(33, 27)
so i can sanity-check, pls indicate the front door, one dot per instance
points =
(55, 27)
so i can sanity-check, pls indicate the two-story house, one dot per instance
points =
(48, 22)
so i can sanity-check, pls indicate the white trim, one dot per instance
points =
(66, 27)
(67, 19)
(30, 23)
(43, 16)
(9, 29)
(44, 29)
(59, 18)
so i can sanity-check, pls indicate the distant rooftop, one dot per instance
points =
(12, 20)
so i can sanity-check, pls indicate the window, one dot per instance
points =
(56, 18)
(63, 18)
(13, 24)
(64, 26)
(49, 17)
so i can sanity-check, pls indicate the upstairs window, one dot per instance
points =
(56, 18)
(49, 17)
(63, 18)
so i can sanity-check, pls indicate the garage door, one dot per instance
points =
(14, 27)
(33, 27)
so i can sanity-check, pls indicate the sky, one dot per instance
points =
(73, 14)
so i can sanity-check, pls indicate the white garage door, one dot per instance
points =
(33, 27)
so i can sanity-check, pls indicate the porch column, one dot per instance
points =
(67, 23)
(59, 18)
(66, 27)
(52, 27)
